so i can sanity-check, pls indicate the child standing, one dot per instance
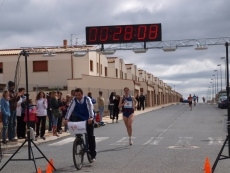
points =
(32, 115)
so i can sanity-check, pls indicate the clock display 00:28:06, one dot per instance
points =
(123, 33)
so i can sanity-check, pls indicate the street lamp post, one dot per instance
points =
(211, 90)
(214, 83)
(217, 88)
(227, 140)
(220, 77)
(214, 88)
(209, 93)
(224, 72)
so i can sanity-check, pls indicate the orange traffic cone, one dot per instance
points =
(48, 170)
(51, 164)
(207, 167)
(39, 170)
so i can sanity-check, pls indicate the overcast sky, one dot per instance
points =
(28, 23)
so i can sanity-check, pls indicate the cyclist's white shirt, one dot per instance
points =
(73, 103)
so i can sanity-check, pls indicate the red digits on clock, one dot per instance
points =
(93, 34)
(117, 32)
(104, 34)
(153, 31)
(141, 32)
(128, 33)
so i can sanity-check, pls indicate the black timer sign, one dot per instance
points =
(123, 33)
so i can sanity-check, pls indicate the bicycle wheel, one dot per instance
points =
(89, 157)
(78, 153)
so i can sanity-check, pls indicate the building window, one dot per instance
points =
(125, 75)
(1, 67)
(121, 74)
(97, 67)
(40, 66)
(116, 72)
(91, 65)
(106, 71)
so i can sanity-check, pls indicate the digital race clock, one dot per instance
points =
(123, 33)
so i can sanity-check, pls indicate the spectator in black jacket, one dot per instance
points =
(142, 101)
(61, 102)
(111, 104)
(55, 106)
(116, 109)
(49, 112)
(13, 106)
(138, 102)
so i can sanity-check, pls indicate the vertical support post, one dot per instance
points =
(25, 54)
(227, 89)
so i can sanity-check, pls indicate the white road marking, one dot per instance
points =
(71, 139)
(99, 139)
(63, 142)
(123, 141)
(153, 141)
(184, 143)
(215, 140)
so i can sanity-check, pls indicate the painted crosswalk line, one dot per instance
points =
(153, 141)
(123, 141)
(99, 139)
(184, 143)
(63, 142)
(71, 139)
(215, 141)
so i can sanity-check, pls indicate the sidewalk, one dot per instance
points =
(106, 119)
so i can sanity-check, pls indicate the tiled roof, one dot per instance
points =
(10, 52)
(111, 57)
(48, 49)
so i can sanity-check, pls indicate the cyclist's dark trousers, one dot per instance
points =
(142, 105)
(91, 140)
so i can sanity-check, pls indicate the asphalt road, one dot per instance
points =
(168, 140)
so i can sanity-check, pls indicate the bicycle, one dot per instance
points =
(79, 149)
(80, 144)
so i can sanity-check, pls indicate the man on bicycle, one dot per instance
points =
(82, 108)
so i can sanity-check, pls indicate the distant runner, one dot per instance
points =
(190, 101)
(194, 99)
